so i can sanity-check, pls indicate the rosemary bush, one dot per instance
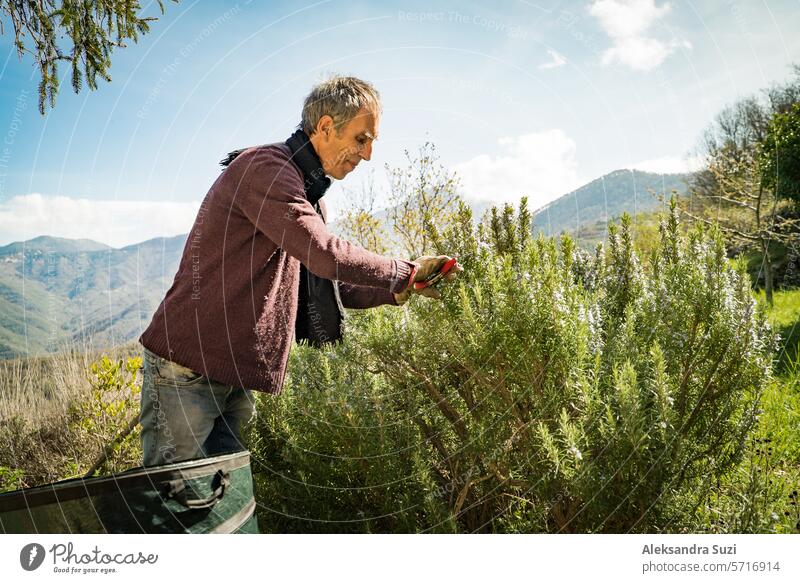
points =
(551, 390)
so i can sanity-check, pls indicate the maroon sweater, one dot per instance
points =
(230, 312)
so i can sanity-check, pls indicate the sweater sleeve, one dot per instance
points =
(361, 297)
(271, 197)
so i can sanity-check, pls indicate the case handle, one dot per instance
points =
(177, 490)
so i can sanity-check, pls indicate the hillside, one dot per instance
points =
(60, 291)
(585, 212)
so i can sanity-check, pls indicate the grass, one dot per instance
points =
(784, 316)
(39, 389)
(780, 420)
(781, 402)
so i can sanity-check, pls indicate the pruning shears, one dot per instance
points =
(433, 278)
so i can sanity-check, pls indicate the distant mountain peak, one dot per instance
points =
(46, 243)
(158, 242)
(605, 199)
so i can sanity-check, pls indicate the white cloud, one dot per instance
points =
(627, 23)
(113, 222)
(668, 165)
(627, 18)
(539, 165)
(557, 60)
(640, 53)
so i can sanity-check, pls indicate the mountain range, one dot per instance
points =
(57, 293)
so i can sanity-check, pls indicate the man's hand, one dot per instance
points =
(427, 265)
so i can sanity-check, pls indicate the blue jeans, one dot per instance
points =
(185, 415)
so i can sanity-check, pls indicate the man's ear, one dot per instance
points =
(325, 126)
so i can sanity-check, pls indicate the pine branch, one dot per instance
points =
(92, 29)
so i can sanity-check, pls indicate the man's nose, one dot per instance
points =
(366, 151)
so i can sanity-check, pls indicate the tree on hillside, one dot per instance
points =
(422, 200)
(780, 163)
(734, 189)
(782, 97)
(780, 154)
(93, 29)
(360, 224)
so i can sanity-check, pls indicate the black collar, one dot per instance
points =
(304, 155)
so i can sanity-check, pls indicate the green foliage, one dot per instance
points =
(327, 458)
(94, 28)
(749, 180)
(359, 222)
(99, 421)
(550, 390)
(11, 479)
(780, 154)
(365, 230)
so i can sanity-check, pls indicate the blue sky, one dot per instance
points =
(520, 98)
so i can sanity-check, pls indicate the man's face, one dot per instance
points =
(341, 152)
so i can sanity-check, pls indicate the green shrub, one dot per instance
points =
(93, 426)
(550, 390)
(102, 422)
(11, 479)
(333, 453)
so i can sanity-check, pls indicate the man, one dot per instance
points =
(260, 269)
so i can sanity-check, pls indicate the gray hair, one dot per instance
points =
(341, 98)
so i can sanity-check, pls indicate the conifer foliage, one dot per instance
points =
(94, 28)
